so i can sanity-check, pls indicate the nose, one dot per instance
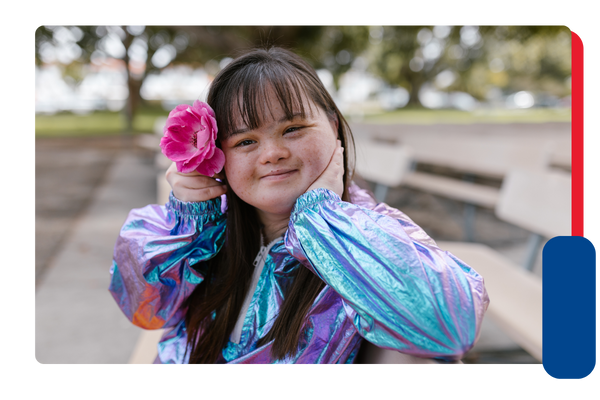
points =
(273, 151)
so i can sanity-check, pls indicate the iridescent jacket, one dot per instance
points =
(386, 280)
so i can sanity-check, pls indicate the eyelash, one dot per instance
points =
(288, 130)
(241, 144)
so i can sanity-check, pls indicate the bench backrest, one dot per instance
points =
(537, 200)
(382, 162)
(481, 149)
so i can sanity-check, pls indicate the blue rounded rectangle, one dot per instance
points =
(569, 307)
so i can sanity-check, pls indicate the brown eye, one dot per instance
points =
(292, 129)
(245, 143)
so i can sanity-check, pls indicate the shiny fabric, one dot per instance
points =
(386, 280)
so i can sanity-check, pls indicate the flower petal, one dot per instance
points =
(209, 123)
(183, 123)
(211, 166)
(178, 133)
(176, 151)
(199, 105)
(203, 135)
(180, 108)
(186, 166)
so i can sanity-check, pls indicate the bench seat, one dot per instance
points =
(484, 196)
(515, 294)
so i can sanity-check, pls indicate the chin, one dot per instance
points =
(276, 200)
(279, 208)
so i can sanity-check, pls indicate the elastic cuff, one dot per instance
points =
(201, 208)
(314, 197)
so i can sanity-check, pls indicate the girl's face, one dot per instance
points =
(270, 167)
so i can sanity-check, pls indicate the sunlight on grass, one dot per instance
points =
(113, 123)
(97, 123)
(496, 116)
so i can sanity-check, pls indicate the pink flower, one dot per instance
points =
(189, 139)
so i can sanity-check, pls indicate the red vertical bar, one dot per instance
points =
(576, 135)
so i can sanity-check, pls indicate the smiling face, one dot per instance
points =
(271, 166)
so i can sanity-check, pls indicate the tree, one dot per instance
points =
(469, 59)
(149, 49)
(473, 59)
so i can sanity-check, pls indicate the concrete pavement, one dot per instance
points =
(77, 320)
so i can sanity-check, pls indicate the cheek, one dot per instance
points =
(317, 156)
(237, 172)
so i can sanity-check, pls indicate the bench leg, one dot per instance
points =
(533, 246)
(469, 214)
(380, 192)
(469, 226)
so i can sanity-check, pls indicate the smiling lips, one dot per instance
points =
(279, 174)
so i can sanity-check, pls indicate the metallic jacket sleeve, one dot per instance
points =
(152, 271)
(400, 290)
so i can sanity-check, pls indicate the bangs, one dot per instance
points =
(246, 95)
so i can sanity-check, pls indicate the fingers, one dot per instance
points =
(219, 175)
(203, 194)
(338, 158)
(193, 186)
(332, 177)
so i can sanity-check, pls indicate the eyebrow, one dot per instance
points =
(282, 120)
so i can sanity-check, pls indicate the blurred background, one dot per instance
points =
(455, 125)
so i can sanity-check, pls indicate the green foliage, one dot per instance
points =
(337, 48)
(509, 58)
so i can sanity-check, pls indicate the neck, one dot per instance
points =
(274, 225)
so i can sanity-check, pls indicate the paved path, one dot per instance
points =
(77, 320)
(67, 171)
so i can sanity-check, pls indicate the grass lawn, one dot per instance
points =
(113, 123)
(97, 123)
(495, 116)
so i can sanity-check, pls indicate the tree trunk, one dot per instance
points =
(131, 104)
(416, 82)
(415, 87)
(133, 99)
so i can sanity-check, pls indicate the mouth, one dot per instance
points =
(279, 174)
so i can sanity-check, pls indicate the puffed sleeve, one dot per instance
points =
(400, 290)
(158, 256)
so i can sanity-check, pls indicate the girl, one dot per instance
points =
(288, 261)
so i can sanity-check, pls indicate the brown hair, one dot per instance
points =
(215, 304)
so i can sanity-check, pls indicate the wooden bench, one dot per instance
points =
(539, 201)
(389, 165)
(487, 151)
(535, 200)
(479, 150)
(385, 164)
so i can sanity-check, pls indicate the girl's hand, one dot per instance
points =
(333, 176)
(194, 186)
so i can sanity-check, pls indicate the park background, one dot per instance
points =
(93, 117)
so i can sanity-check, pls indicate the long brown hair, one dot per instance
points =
(215, 304)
